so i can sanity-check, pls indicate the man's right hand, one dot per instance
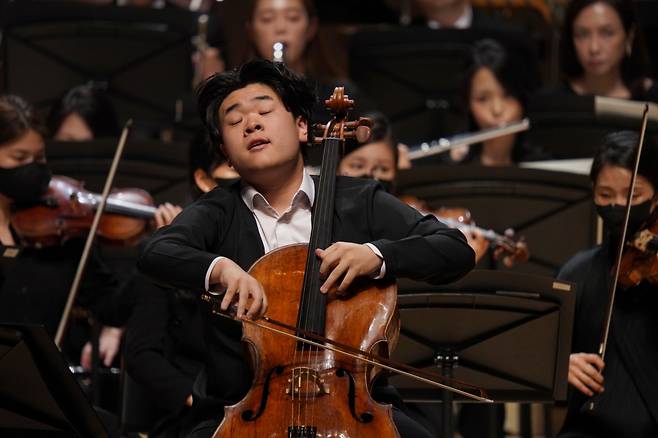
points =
(585, 372)
(240, 287)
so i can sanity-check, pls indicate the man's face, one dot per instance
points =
(258, 132)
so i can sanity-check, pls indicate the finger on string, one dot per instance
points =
(335, 274)
(329, 262)
(347, 281)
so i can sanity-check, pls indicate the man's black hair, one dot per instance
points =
(291, 88)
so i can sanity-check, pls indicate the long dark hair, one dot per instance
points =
(17, 117)
(92, 104)
(318, 62)
(634, 68)
(510, 73)
(619, 149)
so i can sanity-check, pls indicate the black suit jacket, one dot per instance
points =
(220, 223)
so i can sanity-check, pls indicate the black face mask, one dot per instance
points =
(225, 183)
(613, 219)
(25, 184)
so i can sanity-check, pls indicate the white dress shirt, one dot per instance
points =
(291, 226)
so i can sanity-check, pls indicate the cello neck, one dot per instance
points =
(312, 310)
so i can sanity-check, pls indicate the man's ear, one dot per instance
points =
(302, 129)
(204, 182)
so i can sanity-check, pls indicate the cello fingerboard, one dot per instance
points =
(312, 310)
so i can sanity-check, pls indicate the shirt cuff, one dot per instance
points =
(209, 271)
(382, 270)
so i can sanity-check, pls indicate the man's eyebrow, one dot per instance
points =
(236, 105)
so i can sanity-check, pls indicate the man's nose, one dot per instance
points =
(253, 124)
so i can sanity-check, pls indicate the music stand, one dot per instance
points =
(553, 210)
(507, 333)
(142, 55)
(569, 126)
(38, 393)
(422, 71)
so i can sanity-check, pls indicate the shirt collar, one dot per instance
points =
(306, 188)
(463, 22)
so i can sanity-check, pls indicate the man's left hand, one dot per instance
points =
(346, 260)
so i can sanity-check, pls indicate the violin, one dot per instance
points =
(639, 261)
(67, 209)
(513, 250)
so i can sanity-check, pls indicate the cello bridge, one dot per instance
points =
(306, 383)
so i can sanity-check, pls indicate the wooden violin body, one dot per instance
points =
(639, 261)
(67, 211)
(312, 393)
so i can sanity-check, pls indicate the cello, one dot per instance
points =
(306, 385)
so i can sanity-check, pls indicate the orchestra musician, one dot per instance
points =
(257, 115)
(603, 52)
(496, 93)
(295, 24)
(35, 284)
(626, 381)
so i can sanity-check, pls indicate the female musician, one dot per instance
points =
(34, 285)
(258, 116)
(83, 113)
(496, 93)
(627, 381)
(295, 24)
(603, 52)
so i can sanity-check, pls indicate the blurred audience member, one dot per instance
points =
(496, 91)
(603, 52)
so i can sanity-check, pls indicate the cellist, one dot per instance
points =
(257, 115)
(627, 381)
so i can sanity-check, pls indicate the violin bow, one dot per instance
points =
(603, 345)
(75, 286)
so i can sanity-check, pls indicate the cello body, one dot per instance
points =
(314, 393)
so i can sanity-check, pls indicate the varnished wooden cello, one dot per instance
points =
(307, 391)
